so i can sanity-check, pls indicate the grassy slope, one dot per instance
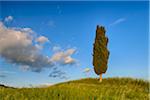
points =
(85, 89)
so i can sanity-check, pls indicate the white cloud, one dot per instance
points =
(86, 70)
(40, 47)
(42, 39)
(56, 48)
(27, 30)
(10, 37)
(17, 46)
(70, 51)
(68, 60)
(8, 19)
(57, 56)
(64, 57)
(120, 20)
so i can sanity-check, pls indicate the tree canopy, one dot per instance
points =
(100, 51)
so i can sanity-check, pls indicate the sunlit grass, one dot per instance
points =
(84, 89)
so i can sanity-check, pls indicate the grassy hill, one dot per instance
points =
(84, 89)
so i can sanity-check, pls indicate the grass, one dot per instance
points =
(84, 89)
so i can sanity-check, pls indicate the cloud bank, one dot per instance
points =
(23, 47)
(17, 46)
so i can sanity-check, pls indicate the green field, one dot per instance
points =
(84, 89)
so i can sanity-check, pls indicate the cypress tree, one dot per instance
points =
(100, 52)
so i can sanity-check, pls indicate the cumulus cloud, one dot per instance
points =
(17, 46)
(8, 19)
(26, 30)
(42, 39)
(64, 57)
(38, 46)
(20, 46)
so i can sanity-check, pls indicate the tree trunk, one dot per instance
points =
(100, 78)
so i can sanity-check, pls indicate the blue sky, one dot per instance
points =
(69, 28)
